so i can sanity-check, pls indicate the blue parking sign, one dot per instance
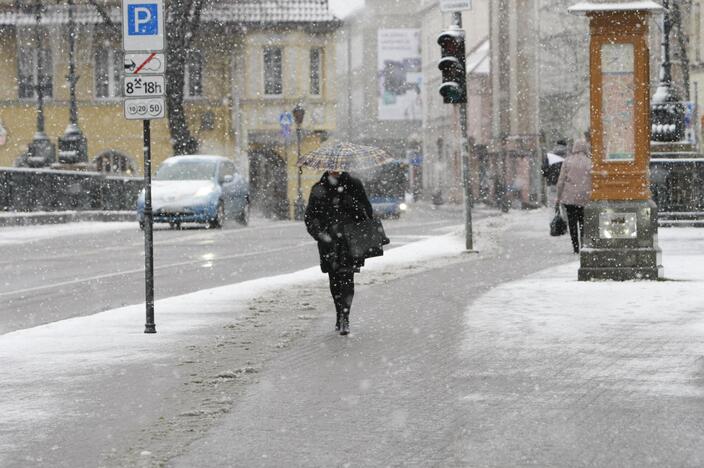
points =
(143, 19)
(143, 25)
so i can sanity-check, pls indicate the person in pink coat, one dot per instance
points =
(574, 189)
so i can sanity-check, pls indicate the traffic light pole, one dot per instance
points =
(464, 148)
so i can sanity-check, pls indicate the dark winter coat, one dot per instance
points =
(551, 172)
(330, 207)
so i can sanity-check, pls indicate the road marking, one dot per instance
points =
(141, 270)
(219, 233)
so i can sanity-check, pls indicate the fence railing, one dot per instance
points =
(29, 190)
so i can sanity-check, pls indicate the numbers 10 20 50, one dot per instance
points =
(145, 109)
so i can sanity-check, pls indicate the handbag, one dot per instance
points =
(366, 238)
(558, 226)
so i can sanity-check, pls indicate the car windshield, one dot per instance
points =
(186, 170)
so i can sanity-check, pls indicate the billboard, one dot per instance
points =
(399, 74)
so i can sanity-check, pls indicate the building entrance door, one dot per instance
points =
(268, 182)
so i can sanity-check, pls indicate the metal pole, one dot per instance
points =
(150, 326)
(464, 148)
(299, 214)
(40, 71)
(72, 78)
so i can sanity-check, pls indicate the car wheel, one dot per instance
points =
(219, 220)
(141, 226)
(243, 218)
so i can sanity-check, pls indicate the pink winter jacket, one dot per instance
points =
(574, 187)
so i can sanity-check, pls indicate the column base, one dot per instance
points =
(620, 242)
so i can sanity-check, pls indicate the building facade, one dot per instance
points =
(388, 89)
(442, 163)
(249, 64)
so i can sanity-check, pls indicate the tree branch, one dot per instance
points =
(105, 15)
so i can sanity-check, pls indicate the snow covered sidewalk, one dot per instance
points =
(590, 374)
(58, 375)
(24, 234)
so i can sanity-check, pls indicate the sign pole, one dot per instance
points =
(143, 86)
(464, 148)
(150, 326)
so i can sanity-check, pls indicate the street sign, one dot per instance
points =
(145, 109)
(143, 86)
(142, 38)
(455, 5)
(143, 25)
(286, 119)
(145, 64)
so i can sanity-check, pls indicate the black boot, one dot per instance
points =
(345, 324)
(338, 322)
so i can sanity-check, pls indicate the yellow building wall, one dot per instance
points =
(105, 127)
(102, 120)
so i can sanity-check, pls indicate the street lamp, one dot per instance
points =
(41, 151)
(668, 113)
(299, 209)
(73, 147)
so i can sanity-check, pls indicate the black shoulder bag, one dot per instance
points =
(366, 238)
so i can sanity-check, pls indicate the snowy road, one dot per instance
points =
(49, 274)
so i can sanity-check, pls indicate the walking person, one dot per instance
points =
(574, 188)
(552, 163)
(336, 200)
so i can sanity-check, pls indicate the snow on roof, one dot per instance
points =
(586, 7)
(479, 61)
(248, 11)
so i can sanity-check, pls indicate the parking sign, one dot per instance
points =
(143, 25)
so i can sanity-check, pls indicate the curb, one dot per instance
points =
(61, 217)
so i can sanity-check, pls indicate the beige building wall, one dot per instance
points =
(233, 96)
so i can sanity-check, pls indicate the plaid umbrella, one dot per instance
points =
(344, 157)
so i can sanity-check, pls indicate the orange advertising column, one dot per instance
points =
(620, 225)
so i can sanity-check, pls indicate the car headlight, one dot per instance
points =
(403, 207)
(204, 191)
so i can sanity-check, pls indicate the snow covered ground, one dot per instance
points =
(552, 308)
(26, 234)
(40, 363)
(543, 311)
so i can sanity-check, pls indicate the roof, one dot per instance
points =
(611, 6)
(252, 12)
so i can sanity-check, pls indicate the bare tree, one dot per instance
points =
(184, 19)
(185, 16)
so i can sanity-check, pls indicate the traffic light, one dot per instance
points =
(452, 65)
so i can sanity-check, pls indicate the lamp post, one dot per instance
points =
(73, 147)
(41, 152)
(668, 113)
(299, 208)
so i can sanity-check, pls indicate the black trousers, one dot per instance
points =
(342, 289)
(575, 221)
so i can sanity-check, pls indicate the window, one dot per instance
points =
(108, 70)
(273, 70)
(316, 71)
(193, 74)
(28, 72)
